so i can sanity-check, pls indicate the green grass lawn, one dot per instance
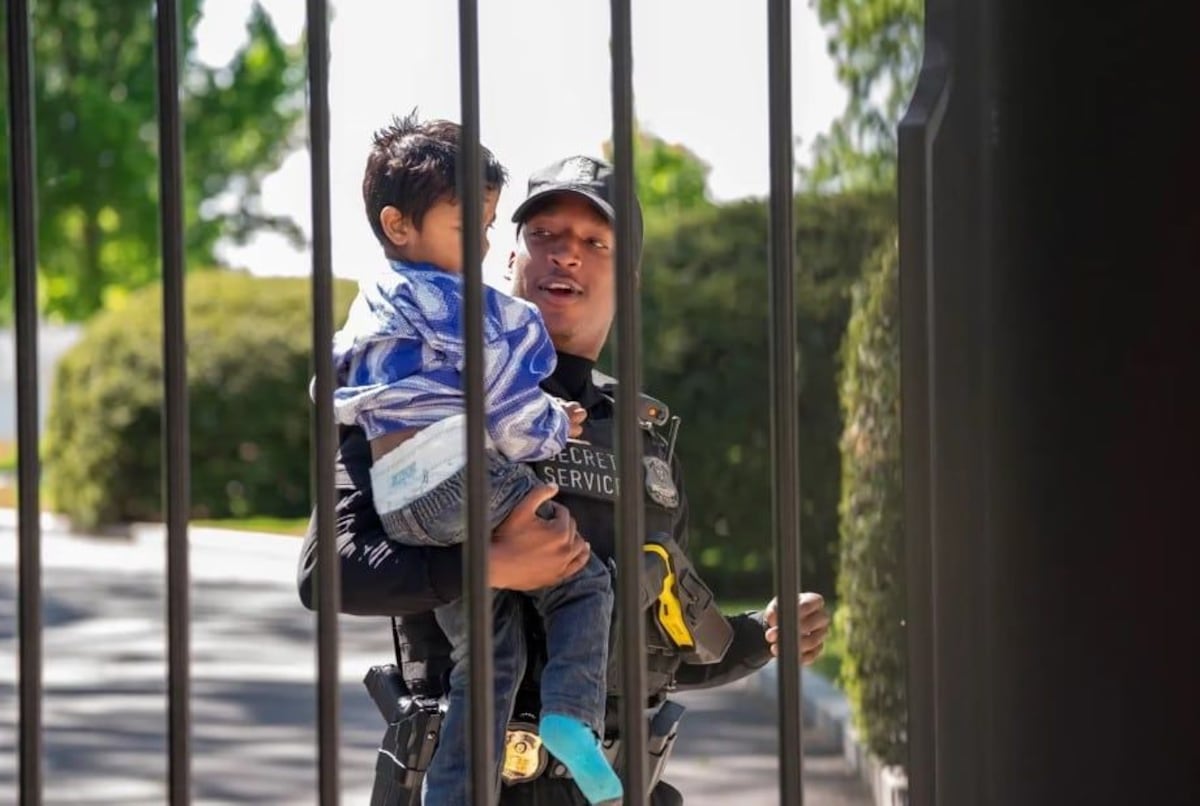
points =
(8, 456)
(281, 526)
(733, 606)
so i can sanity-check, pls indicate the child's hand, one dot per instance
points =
(576, 414)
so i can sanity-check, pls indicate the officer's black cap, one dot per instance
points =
(585, 176)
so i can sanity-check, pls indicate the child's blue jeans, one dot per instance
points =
(576, 614)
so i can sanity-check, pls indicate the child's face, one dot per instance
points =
(439, 239)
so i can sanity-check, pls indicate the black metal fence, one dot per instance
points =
(785, 471)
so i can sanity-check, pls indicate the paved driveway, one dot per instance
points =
(253, 690)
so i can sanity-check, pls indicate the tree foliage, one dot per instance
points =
(249, 364)
(876, 46)
(669, 178)
(705, 347)
(871, 578)
(97, 146)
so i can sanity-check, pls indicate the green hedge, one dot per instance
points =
(705, 352)
(249, 345)
(871, 578)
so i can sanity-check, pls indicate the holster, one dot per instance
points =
(683, 606)
(414, 724)
(660, 741)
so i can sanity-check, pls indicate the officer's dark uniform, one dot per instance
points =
(381, 577)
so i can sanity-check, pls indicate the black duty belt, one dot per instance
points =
(526, 758)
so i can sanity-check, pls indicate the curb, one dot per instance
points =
(825, 714)
(58, 523)
(48, 520)
(828, 731)
(209, 555)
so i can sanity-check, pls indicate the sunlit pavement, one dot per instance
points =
(253, 687)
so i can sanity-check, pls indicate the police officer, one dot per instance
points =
(563, 263)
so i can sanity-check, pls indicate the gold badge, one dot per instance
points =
(523, 756)
(660, 485)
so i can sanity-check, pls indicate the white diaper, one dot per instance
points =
(412, 469)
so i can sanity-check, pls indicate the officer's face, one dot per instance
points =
(563, 263)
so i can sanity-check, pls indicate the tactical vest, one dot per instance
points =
(586, 474)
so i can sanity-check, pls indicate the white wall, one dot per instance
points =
(53, 341)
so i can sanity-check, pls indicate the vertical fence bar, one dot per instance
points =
(785, 472)
(916, 135)
(630, 528)
(175, 421)
(324, 433)
(477, 593)
(22, 170)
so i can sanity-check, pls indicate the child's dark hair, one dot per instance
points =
(413, 165)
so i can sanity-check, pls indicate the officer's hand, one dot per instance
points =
(529, 551)
(576, 414)
(814, 625)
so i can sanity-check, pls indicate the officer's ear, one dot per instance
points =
(508, 268)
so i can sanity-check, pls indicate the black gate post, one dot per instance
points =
(324, 432)
(477, 594)
(785, 466)
(1050, 245)
(175, 421)
(630, 520)
(23, 198)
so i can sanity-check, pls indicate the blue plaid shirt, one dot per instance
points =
(399, 361)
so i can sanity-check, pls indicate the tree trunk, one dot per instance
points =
(91, 278)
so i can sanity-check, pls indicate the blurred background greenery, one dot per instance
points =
(704, 296)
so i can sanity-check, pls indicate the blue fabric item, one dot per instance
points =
(573, 743)
(576, 614)
(400, 358)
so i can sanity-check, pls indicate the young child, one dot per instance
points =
(400, 366)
